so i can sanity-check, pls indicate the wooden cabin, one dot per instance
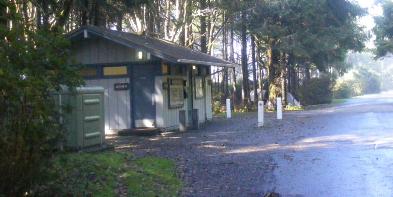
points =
(148, 82)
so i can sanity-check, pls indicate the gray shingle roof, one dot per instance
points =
(165, 50)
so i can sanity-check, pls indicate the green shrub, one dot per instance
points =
(362, 82)
(217, 107)
(343, 89)
(316, 91)
(370, 83)
(33, 64)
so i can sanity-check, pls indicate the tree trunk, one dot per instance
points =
(246, 87)
(254, 69)
(98, 15)
(232, 59)
(292, 77)
(167, 19)
(149, 22)
(183, 12)
(260, 71)
(119, 23)
(3, 14)
(225, 55)
(274, 82)
(45, 15)
(307, 72)
(284, 79)
(203, 31)
(84, 13)
(188, 23)
(38, 18)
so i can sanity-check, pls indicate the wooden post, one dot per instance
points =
(228, 110)
(260, 114)
(279, 108)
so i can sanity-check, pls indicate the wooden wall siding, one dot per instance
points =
(101, 51)
(117, 105)
(208, 93)
(200, 105)
(166, 118)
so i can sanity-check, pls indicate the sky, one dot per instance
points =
(368, 20)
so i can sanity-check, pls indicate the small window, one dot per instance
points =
(148, 56)
(115, 71)
(140, 55)
(88, 72)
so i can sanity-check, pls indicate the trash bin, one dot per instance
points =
(182, 120)
(83, 116)
(195, 119)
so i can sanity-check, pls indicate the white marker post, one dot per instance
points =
(228, 102)
(260, 114)
(279, 108)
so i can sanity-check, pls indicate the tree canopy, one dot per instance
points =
(383, 30)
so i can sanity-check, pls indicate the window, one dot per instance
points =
(165, 69)
(140, 55)
(148, 56)
(199, 87)
(115, 71)
(88, 72)
(176, 93)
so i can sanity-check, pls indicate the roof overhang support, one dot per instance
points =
(187, 61)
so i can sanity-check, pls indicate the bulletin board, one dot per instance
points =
(176, 93)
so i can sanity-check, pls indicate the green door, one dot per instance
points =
(93, 119)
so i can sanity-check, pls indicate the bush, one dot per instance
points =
(33, 64)
(316, 91)
(362, 82)
(370, 83)
(343, 89)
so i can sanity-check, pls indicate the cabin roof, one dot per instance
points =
(163, 49)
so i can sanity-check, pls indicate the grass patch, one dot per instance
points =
(155, 177)
(339, 101)
(293, 108)
(102, 174)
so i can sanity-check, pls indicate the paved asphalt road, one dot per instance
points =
(344, 150)
(350, 155)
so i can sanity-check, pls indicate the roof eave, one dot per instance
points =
(188, 61)
(154, 52)
(121, 42)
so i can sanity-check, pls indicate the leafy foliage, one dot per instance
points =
(384, 30)
(369, 82)
(312, 34)
(316, 91)
(343, 89)
(360, 81)
(33, 64)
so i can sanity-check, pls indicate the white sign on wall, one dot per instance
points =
(176, 93)
(199, 87)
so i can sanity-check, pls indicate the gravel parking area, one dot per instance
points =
(220, 159)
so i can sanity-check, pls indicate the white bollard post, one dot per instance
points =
(260, 114)
(228, 102)
(279, 108)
